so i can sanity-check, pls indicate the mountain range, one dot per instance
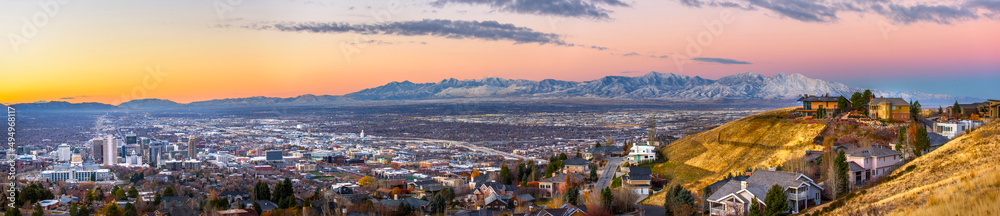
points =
(653, 86)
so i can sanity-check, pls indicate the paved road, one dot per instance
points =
(608, 173)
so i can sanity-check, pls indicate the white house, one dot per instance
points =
(641, 153)
(954, 128)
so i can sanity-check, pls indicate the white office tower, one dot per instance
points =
(111, 151)
(64, 153)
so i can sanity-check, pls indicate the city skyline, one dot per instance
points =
(98, 51)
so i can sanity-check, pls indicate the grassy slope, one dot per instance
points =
(960, 178)
(761, 140)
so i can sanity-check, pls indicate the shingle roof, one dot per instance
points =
(561, 178)
(575, 161)
(759, 183)
(855, 167)
(871, 151)
(605, 150)
(413, 202)
(494, 197)
(893, 101)
(525, 197)
(820, 99)
(639, 173)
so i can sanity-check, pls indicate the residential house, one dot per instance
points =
(577, 165)
(425, 188)
(234, 196)
(991, 109)
(889, 108)
(736, 197)
(870, 162)
(639, 178)
(603, 151)
(414, 203)
(639, 154)
(954, 128)
(522, 200)
(564, 210)
(497, 203)
(237, 212)
(559, 181)
(490, 188)
(810, 104)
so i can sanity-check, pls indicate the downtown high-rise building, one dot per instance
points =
(111, 151)
(192, 147)
(97, 149)
(64, 152)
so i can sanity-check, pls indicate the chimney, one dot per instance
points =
(743, 185)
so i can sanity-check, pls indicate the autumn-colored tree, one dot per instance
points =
(475, 173)
(366, 181)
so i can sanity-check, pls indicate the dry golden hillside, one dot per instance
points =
(960, 178)
(762, 140)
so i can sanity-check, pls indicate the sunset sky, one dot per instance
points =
(114, 51)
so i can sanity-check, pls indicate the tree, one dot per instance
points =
(572, 196)
(776, 202)
(598, 145)
(38, 211)
(607, 197)
(956, 110)
(112, 209)
(439, 204)
(593, 173)
(505, 175)
(562, 156)
(858, 101)
(755, 209)
(915, 109)
(918, 136)
(842, 103)
(841, 167)
(133, 193)
(169, 192)
(256, 207)
(99, 193)
(261, 191)
(13, 211)
(157, 199)
(119, 193)
(130, 210)
(370, 182)
(679, 201)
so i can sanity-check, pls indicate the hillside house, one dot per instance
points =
(640, 179)
(735, 197)
(991, 109)
(870, 162)
(954, 128)
(641, 154)
(559, 181)
(889, 108)
(577, 165)
(603, 151)
(810, 104)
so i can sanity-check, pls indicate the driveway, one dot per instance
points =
(608, 172)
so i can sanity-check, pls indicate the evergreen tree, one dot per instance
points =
(439, 204)
(38, 211)
(842, 104)
(755, 209)
(572, 196)
(505, 175)
(842, 181)
(593, 173)
(133, 193)
(562, 156)
(607, 197)
(776, 202)
(956, 109)
(169, 192)
(257, 208)
(915, 109)
(130, 210)
(13, 211)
